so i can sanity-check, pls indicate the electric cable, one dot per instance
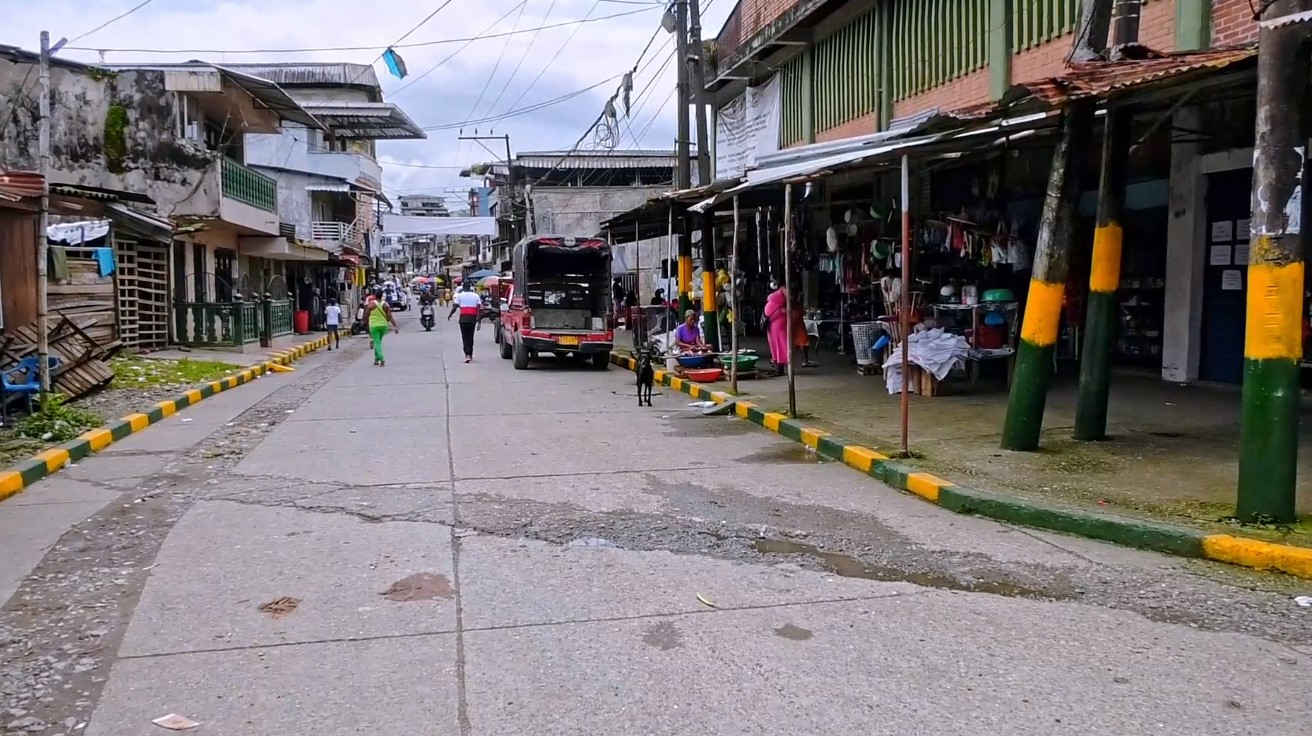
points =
(113, 20)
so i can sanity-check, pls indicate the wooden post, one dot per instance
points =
(904, 305)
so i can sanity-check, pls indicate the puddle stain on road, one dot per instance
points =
(663, 635)
(793, 633)
(784, 454)
(421, 586)
(850, 567)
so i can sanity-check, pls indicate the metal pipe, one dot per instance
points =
(904, 303)
(788, 300)
(42, 242)
(733, 303)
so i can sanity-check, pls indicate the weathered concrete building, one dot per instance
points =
(173, 133)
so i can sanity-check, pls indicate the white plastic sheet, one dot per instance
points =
(935, 351)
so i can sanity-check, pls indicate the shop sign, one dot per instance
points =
(747, 128)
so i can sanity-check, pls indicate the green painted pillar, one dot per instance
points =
(808, 95)
(1193, 24)
(1273, 335)
(1042, 319)
(1104, 278)
(1000, 43)
(884, 66)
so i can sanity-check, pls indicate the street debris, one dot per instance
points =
(421, 586)
(1304, 601)
(281, 606)
(175, 722)
(705, 601)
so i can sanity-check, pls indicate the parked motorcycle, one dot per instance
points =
(426, 317)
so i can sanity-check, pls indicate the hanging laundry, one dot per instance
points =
(57, 262)
(104, 260)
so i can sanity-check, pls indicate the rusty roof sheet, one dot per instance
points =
(17, 185)
(1104, 78)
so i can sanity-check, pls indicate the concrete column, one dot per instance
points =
(1185, 254)
(999, 48)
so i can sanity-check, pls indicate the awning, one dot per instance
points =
(393, 224)
(270, 95)
(328, 187)
(138, 223)
(366, 120)
(280, 249)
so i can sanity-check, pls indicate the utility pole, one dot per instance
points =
(683, 159)
(1108, 238)
(515, 231)
(1273, 344)
(696, 63)
(1043, 305)
(42, 243)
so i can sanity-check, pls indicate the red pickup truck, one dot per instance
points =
(559, 301)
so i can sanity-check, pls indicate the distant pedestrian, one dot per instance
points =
(378, 316)
(468, 304)
(332, 319)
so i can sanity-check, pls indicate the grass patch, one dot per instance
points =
(135, 371)
(58, 423)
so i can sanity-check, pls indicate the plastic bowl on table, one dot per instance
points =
(696, 361)
(704, 375)
(745, 362)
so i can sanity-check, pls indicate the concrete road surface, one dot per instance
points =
(441, 548)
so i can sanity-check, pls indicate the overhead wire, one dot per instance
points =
(113, 20)
(453, 54)
(413, 45)
(460, 144)
(403, 37)
(523, 56)
(556, 55)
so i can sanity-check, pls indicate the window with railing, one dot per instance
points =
(937, 41)
(249, 186)
(845, 72)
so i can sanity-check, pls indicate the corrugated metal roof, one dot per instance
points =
(311, 74)
(1102, 78)
(16, 185)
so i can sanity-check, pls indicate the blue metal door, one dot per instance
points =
(1225, 276)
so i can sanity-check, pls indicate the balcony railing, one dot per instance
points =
(337, 232)
(249, 186)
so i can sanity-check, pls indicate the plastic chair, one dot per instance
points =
(31, 367)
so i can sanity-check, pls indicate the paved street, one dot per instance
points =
(441, 548)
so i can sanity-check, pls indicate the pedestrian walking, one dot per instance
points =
(468, 304)
(332, 319)
(378, 316)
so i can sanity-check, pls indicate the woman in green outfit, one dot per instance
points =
(378, 316)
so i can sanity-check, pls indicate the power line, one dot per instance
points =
(521, 111)
(453, 54)
(358, 75)
(113, 20)
(556, 55)
(418, 44)
(522, 57)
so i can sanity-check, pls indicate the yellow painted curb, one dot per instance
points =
(811, 436)
(279, 368)
(167, 407)
(926, 485)
(99, 439)
(54, 458)
(11, 484)
(772, 420)
(742, 408)
(861, 458)
(1295, 561)
(138, 422)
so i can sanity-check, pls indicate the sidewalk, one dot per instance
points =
(1172, 454)
(253, 355)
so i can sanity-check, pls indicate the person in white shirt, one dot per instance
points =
(332, 319)
(468, 304)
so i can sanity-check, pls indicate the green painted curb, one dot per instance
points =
(1126, 531)
(21, 476)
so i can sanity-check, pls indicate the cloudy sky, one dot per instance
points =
(482, 79)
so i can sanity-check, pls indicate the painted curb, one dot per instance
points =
(1158, 537)
(16, 479)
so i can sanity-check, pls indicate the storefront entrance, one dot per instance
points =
(1225, 277)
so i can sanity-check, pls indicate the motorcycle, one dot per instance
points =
(426, 317)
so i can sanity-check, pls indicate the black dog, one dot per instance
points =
(646, 377)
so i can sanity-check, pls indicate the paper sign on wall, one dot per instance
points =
(1219, 255)
(1223, 231)
(1232, 279)
(746, 128)
(1243, 230)
(1241, 254)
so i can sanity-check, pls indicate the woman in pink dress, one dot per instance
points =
(776, 331)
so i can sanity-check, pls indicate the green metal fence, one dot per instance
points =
(230, 324)
(249, 186)
(937, 41)
(792, 128)
(845, 72)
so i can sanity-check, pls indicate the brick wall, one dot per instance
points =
(1157, 25)
(968, 90)
(864, 125)
(1232, 23)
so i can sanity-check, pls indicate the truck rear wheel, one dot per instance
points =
(520, 355)
(601, 361)
(503, 347)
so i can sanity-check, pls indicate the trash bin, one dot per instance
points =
(301, 322)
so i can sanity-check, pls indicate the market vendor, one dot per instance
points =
(688, 338)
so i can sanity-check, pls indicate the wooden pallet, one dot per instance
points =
(82, 367)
